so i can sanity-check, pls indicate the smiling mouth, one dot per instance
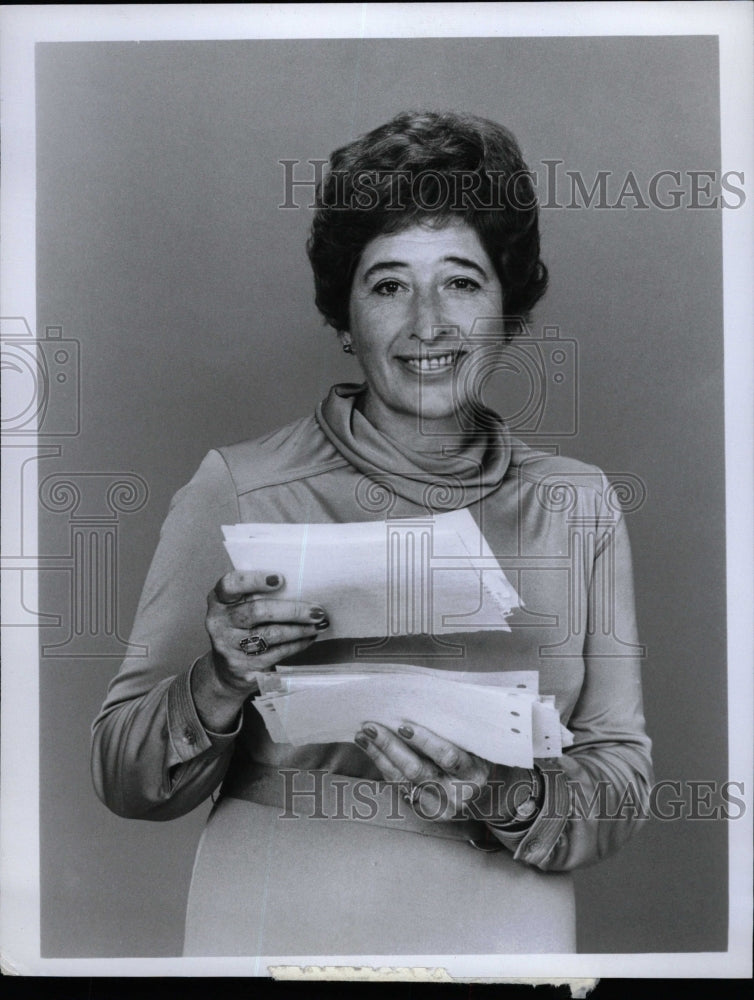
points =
(434, 364)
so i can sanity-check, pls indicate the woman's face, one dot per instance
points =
(415, 298)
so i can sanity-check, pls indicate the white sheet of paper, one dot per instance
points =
(526, 680)
(335, 713)
(498, 716)
(411, 576)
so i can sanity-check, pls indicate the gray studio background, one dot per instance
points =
(161, 249)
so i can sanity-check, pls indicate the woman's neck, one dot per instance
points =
(425, 436)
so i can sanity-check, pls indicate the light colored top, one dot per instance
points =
(556, 530)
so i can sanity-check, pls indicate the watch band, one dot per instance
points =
(527, 807)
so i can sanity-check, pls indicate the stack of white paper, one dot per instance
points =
(412, 576)
(498, 716)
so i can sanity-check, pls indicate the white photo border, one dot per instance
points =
(732, 23)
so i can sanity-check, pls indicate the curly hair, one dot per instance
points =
(428, 167)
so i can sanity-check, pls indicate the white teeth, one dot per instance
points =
(433, 364)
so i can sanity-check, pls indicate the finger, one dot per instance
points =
(245, 667)
(233, 641)
(449, 757)
(234, 586)
(257, 610)
(387, 768)
(277, 634)
(430, 798)
(411, 766)
(433, 797)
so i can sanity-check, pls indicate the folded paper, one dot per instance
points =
(498, 716)
(404, 576)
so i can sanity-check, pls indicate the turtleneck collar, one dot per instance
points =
(436, 481)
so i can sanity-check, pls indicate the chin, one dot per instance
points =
(438, 415)
(459, 416)
(439, 407)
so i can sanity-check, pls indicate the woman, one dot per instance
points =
(425, 250)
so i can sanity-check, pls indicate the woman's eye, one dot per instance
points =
(464, 284)
(387, 287)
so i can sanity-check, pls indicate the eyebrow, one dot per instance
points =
(391, 265)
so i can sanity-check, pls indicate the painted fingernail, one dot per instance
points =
(316, 613)
(406, 732)
(273, 580)
(321, 626)
(370, 731)
(362, 741)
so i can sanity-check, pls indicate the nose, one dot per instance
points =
(427, 318)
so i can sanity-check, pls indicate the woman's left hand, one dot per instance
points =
(444, 778)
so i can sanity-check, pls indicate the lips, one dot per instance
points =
(429, 364)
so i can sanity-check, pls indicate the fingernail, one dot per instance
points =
(406, 732)
(273, 580)
(370, 731)
(362, 741)
(320, 626)
(316, 613)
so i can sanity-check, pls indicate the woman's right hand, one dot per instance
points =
(242, 605)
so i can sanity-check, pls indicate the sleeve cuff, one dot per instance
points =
(536, 843)
(188, 736)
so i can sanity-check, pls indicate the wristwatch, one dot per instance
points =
(532, 802)
(527, 805)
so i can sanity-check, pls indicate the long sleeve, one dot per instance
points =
(151, 756)
(597, 792)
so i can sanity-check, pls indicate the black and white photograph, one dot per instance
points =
(377, 478)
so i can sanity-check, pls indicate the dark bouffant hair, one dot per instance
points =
(431, 168)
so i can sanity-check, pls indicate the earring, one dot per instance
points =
(347, 348)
